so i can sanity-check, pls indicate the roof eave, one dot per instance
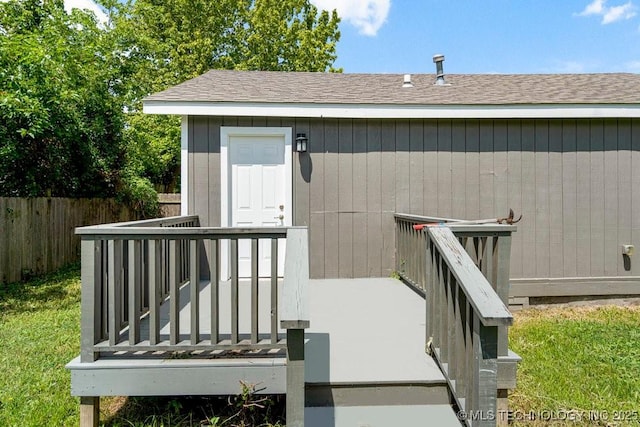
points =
(388, 111)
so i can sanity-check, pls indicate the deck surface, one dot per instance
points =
(367, 331)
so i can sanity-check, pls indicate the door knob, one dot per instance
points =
(280, 217)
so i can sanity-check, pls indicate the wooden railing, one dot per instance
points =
(130, 269)
(463, 272)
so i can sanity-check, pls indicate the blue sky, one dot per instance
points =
(484, 36)
(488, 36)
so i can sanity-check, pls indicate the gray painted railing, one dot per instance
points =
(130, 269)
(463, 271)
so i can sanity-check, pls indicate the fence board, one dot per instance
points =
(36, 234)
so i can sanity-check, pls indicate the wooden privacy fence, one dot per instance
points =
(463, 272)
(37, 234)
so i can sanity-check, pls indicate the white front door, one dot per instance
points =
(258, 188)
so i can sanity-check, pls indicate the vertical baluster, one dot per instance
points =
(415, 254)
(104, 291)
(423, 260)
(398, 245)
(174, 292)
(472, 390)
(444, 315)
(274, 291)
(135, 283)
(194, 289)
(115, 283)
(124, 292)
(254, 291)
(452, 325)
(461, 365)
(428, 295)
(144, 275)
(234, 291)
(155, 267)
(215, 300)
(437, 282)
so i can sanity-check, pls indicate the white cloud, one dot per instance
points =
(69, 5)
(366, 15)
(594, 8)
(617, 13)
(609, 14)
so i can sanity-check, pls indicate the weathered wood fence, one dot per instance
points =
(37, 234)
(169, 204)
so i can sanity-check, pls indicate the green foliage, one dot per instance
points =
(139, 193)
(168, 42)
(60, 121)
(66, 82)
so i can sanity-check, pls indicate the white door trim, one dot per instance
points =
(226, 132)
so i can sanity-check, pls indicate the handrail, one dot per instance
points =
(462, 270)
(488, 306)
(465, 318)
(181, 232)
(154, 222)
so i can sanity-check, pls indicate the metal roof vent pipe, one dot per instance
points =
(407, 81)
(438, 60)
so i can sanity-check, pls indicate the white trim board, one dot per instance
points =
(394, 111)
(184, 166)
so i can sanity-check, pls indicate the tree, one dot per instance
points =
(60, 119)
(170, 41)
(71, 89)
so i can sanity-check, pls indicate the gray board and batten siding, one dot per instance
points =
(574, 180)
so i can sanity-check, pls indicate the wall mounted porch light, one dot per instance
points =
(301, 143)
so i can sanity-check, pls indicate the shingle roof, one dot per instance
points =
(386, 89)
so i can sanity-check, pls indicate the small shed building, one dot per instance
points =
(563, 150)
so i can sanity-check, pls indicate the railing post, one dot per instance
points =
(90, 306)
(507, 365)
(295, 377)
(502, 258)
(295, 319)
(485, 349)
(89, 411)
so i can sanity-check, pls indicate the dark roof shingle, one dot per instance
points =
(462, 89)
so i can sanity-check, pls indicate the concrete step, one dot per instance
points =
(381, 416)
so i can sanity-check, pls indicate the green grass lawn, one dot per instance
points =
(579, 359)
(40, 333)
